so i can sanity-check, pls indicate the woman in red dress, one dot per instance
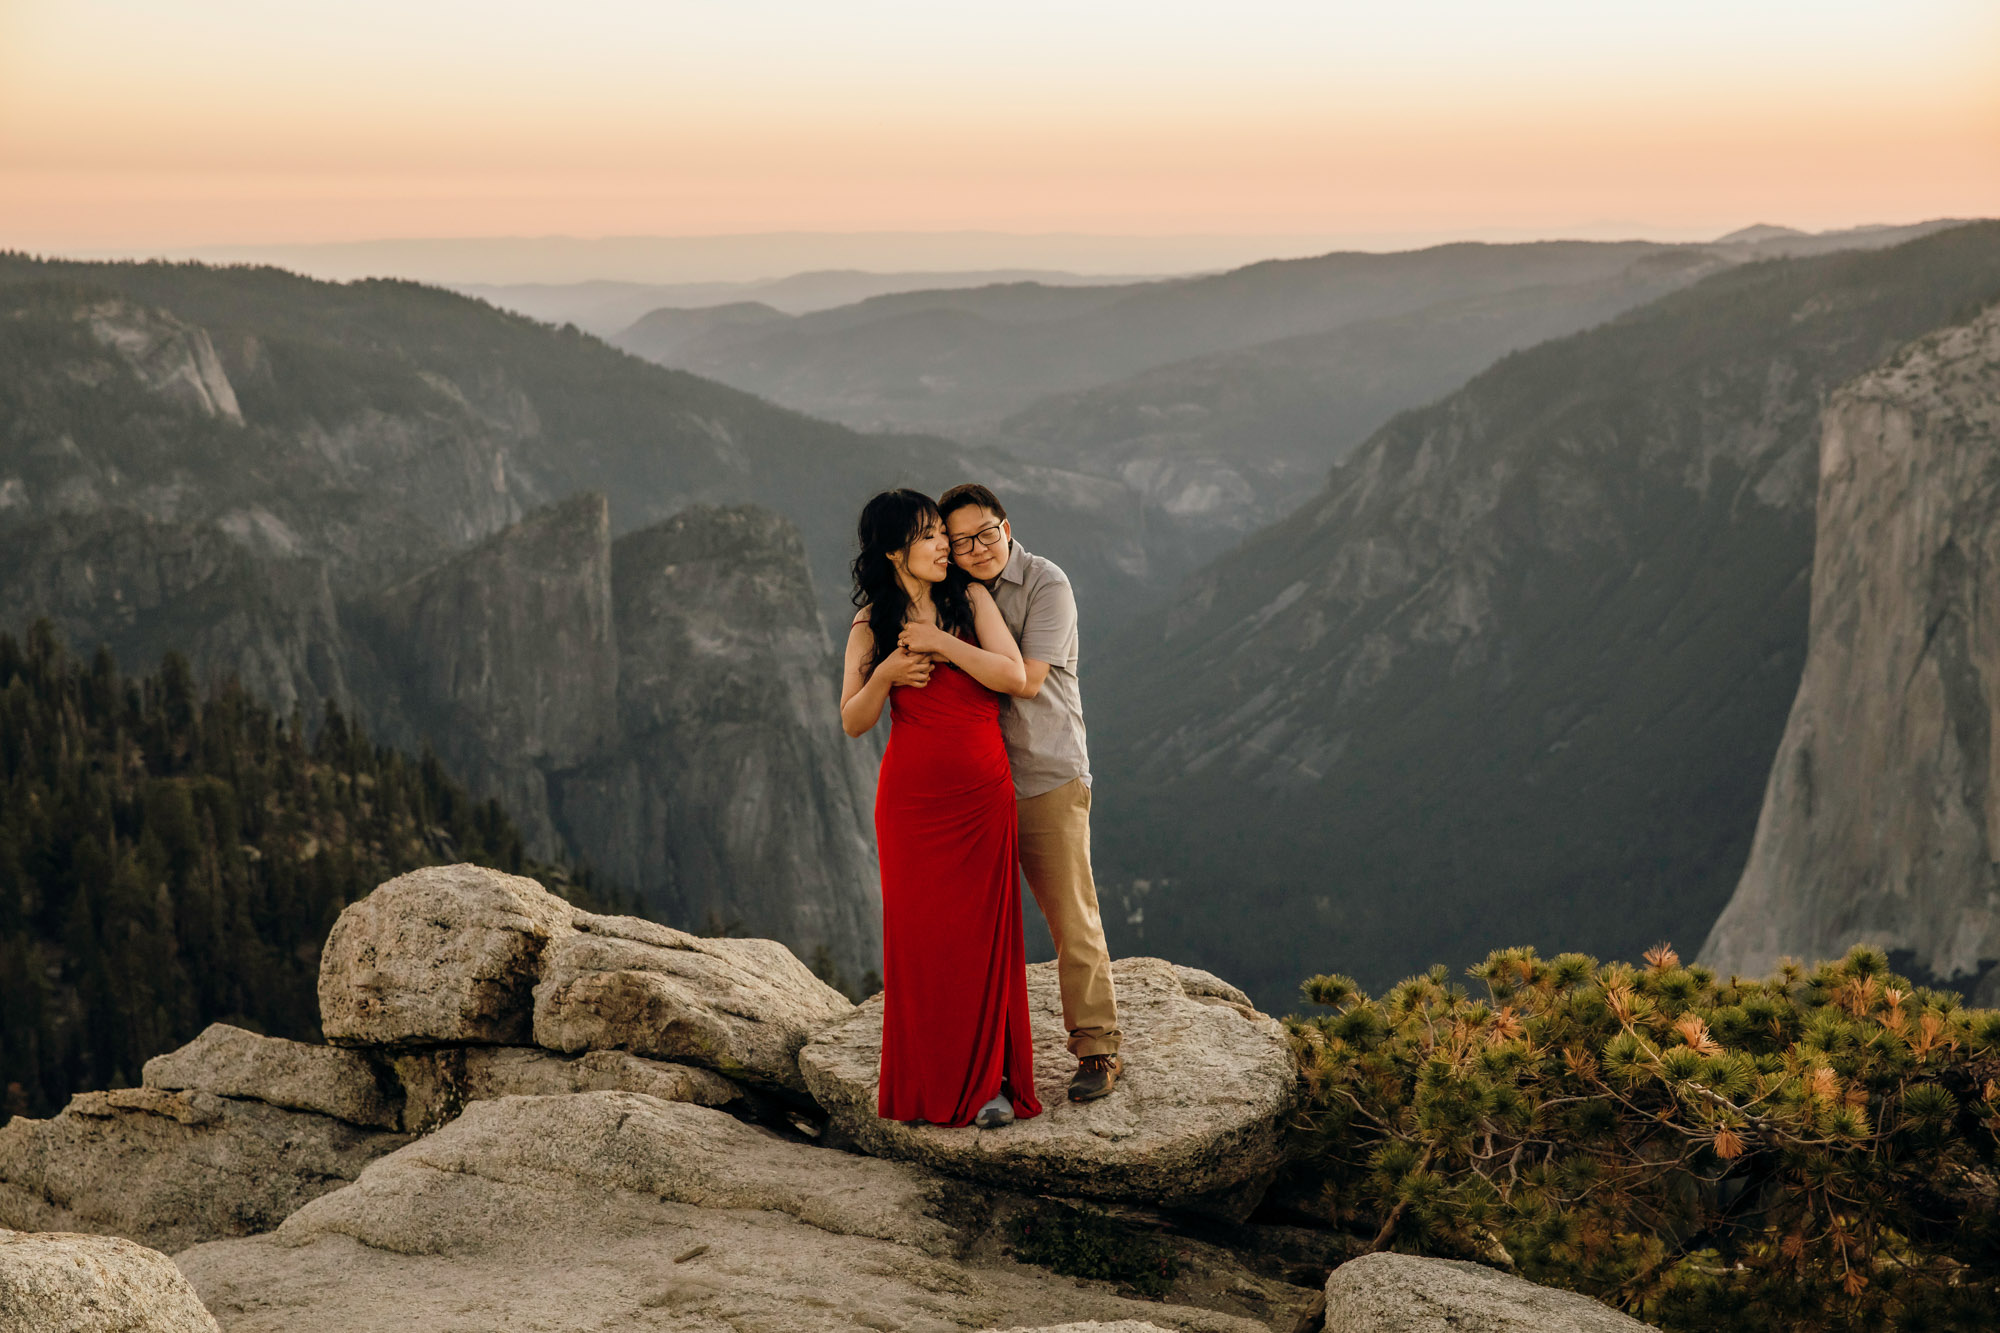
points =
(931, 644)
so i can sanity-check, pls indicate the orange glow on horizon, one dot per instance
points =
(150, 125)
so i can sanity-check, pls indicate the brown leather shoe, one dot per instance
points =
(1096, 1076)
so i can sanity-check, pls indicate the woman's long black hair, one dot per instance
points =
(889, 523)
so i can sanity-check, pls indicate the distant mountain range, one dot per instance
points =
(951, 360)
(1216, 402)
(754, 256)
(606, 308)
(1518, 671)
(955, 360)
(1507, 666)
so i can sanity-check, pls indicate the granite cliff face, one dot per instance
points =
(1881, 821)
(729, 793)
(503, 658)
(1518, 672)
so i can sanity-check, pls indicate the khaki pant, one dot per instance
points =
(1055, 855)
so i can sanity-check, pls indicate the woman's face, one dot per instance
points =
(929, 555)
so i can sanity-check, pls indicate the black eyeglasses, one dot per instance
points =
(988, 536)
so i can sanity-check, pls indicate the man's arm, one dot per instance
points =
(1037, 673)
(1048, 633)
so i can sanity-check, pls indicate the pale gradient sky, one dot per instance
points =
(145, 124)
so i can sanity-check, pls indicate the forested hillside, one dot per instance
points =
(172, 855)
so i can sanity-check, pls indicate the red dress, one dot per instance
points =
(955, 1003)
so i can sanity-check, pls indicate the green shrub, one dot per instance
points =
(1814, 1151)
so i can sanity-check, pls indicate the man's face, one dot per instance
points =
(978, 541)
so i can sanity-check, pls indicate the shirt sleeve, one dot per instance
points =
(1048, 631)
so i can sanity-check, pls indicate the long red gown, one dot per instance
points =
(955, 1007)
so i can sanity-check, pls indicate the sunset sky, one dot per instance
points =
(156, 124)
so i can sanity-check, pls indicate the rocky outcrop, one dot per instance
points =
(1400, 1293)
(614, 1209)
(730, 796)
(503, 658)
(58, 1282)
(455, 956)
(1881, 819)
(440, 956)
(741, 1007)
(171, 358)
(604, 1189)
(1194, 1122)
(231, 1062)
(169, 1169)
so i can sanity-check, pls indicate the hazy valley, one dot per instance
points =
(1509, 666)
(1521, 667)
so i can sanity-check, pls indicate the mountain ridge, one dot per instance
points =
(1523, 663)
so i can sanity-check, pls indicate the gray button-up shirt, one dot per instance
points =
(1044, 734)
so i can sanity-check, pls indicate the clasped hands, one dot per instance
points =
(919, 649)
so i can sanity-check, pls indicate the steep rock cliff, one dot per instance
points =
(1881, 820)
(730, 794)
(503, 659)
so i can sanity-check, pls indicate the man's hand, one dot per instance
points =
(904, 667)
(927, 639)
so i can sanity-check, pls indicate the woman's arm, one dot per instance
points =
(995, 661)
(863, 691)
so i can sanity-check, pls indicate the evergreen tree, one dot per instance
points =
(170, 858)
(1816, 1151)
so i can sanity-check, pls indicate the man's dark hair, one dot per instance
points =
(971, 493)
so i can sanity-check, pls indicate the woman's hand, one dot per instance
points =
(904, 667)
(920, 637)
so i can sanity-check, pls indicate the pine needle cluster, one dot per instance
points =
(1815, 1151)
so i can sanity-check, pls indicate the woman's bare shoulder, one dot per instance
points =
(860, 617)
(977, 594)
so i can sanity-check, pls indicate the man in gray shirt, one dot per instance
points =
(1043, 727)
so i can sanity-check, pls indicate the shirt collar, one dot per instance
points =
(1016, 570)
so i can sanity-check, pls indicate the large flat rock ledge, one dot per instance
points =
(62, 1282)
(615, 1210)
(1194, 1122)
